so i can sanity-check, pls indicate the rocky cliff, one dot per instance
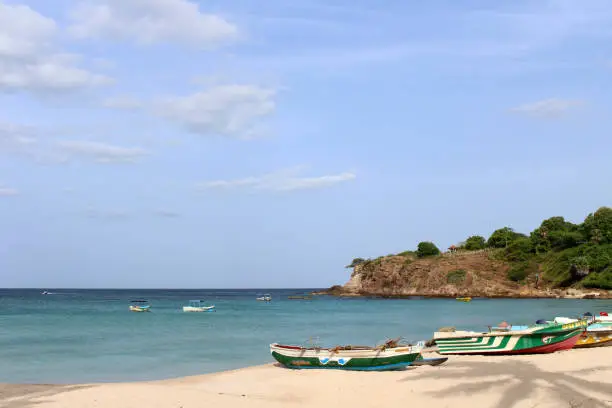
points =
(470, 273)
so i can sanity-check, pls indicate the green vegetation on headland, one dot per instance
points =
(558, 253)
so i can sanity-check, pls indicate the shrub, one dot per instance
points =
(475, 242)
(601, 279)
(599, 257)
(519, 272)
(519, 250)
(427, 248)
(407, 253)
(355, 262)
(560, 240)
(456, 276)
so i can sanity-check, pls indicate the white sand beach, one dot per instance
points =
(572, 379)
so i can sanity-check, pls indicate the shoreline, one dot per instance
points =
(574, 378)
(588, 296)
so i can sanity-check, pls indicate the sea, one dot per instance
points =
(76, 336)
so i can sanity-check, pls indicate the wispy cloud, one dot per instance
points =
(495, 33)
(101, 152)
(548, 108)
(150, 22)
(283, 180)
(122, 102)
(107, 214)
(226, 110)
(16, 138)
(166, 213)
(7, 191)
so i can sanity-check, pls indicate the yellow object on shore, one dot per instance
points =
(464, 299)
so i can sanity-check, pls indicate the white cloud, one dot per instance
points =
(227, 110)
(102, 152)
(7, 191)
(284, 180)
(150, 21)
(547, 108)
(27, 141)
(28, 59)
(122, 102)
(16, 138)
(23, 31)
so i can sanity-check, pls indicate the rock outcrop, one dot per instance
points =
(474, 273)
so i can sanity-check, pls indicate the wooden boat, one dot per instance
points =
(140, 305)
(464, 299)
(389, 356)
(265, 298)
(429, 361)
(597, 334)
(197, 306)
(506, 339)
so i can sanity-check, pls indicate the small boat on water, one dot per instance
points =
(197, 306)
(140, 305)
(265, 298)
(389, 356)
(464, 299)
(546, 337)
(598, 332)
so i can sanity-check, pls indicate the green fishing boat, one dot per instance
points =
(389, 356)
(506, 339)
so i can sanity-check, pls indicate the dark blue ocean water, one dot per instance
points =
(89, 335)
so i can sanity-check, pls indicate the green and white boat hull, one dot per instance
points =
(546, 338)
(354, 358)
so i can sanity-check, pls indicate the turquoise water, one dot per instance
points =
(89, 335)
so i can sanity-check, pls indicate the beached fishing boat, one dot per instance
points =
(598, 332)
(265, 298)
(389, 356)
(507, 339)
(197, 306)
(140, 305)
(464, 299)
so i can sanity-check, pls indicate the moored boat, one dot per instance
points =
(140, 305)
(598, 332)
(265, 298)
(389, 356)
(464, 299)
(197, 306)
(507, 339)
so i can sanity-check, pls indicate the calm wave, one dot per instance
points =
(89, 335)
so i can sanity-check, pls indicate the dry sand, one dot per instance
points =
(576, 378)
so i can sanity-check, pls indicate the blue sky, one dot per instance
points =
(173, 143)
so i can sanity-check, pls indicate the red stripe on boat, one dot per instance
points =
(549, 348)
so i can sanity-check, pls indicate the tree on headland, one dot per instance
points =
(598, 226)
(355, 262)
(427, 248)
(502, 237)
(475, 242)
